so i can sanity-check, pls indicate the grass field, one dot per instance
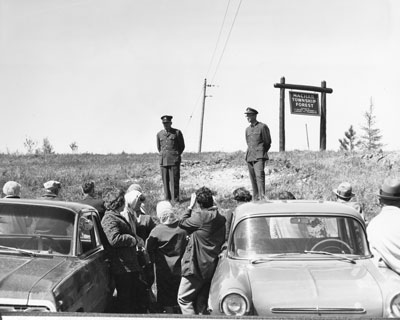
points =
(308, 175)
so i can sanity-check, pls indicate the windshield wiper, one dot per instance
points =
(273, 256)
(332, 254)
(24, 252)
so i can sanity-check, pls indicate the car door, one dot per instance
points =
(96, 273)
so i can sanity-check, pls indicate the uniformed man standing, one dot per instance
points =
(258, 141)
(170, 145)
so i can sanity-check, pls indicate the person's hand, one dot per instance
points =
(192, 201)
(140, 243)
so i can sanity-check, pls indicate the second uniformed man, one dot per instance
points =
(170, 145)
(258, 141)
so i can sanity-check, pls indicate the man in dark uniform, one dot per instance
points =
(170, 145)
(258, 141)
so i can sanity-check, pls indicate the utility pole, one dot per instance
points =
(202, 111)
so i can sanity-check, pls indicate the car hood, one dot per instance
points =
(318, 287)
(19, 276)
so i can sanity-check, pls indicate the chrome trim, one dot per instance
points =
(318, 310)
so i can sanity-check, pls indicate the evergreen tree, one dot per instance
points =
(350, 141)
(371, 139)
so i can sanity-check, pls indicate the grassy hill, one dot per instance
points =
(308, 175)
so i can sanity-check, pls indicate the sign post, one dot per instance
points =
(303, 103)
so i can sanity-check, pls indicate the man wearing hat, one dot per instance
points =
(258, 141)
(51, 190)
(344, 193)
(170, 145)
(383, 230)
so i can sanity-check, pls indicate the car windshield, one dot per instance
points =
(38, 229)
(258, 236)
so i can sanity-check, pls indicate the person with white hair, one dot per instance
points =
(166, 245)
(12, 189)
(14, 223)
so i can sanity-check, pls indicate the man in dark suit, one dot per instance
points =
(258, 141)
(170, 145)
(88, 189)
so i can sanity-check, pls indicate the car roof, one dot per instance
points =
(310, 207)
(71, 206)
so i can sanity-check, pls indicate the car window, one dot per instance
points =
(297, 234)
(89, 238)
(44, 230)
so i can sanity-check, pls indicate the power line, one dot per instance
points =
(218, 39)
(226, 42)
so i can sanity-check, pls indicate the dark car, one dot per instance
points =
(52, 257)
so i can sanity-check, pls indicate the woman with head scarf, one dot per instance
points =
(122, 250)
(165, 246)
(141, 222)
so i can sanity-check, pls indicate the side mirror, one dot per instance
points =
(85, 224)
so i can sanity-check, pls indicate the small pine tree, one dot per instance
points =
(73, 146)
(47, 147)
(30, 145)
(350, 141)
(371, 139)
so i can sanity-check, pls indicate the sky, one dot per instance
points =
(101, 73)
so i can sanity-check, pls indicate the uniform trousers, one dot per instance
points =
(257, 178)
(170, 177)
(193, 294)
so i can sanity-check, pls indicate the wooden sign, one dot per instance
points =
(304, 103)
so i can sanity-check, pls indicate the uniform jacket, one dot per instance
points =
(207, 235)
(122, 243)
(170, 146)
(258, 141)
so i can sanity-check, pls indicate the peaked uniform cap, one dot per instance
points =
(390, 189)
(166, 118)
(344, 190)
(251, 111)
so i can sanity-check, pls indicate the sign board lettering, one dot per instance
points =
(304, 103)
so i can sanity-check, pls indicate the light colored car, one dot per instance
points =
(301, 258)
(52, 257)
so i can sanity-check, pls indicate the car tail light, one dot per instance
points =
(234, 305)
(395, 306)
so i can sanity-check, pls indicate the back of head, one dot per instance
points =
(389, 193)
(88, 187)
(12, 189)
(204, 197)
(286, 195)
(114, 199)
(242, 195)
(52, 186)
(165, 212)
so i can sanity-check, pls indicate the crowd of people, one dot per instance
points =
(168, 266)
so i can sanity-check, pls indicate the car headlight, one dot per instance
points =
(234, 305)
(395, 306)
